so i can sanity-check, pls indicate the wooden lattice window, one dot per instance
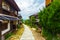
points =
(5, 5)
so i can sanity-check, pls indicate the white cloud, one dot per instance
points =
(23, 4)
(29, 7)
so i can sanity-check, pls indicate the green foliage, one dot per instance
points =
(22, 20)
(8, 35)
(27, 22)
(33, 20)
(47, 34)
(50, 20)
(50, 17)
(18, 26)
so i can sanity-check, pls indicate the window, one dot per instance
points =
(5, 6)
(13, 10)
(0, 24)
(16, 12)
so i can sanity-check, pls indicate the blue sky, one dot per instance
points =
(30, 7)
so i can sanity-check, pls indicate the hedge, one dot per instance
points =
(50, 18)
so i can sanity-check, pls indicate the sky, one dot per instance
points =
(29, 7)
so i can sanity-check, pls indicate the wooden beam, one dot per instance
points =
(7, 15)
(3, 21)
(0, 6)
(0, 34)
(0, 3)
(0, 31)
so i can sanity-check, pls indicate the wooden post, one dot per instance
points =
(0, 34)
(0, 29)
(0, 2)
(0, 5)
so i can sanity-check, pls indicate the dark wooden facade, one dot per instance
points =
(36, 18)
(9, 9)
(0, 12)
(20, 19)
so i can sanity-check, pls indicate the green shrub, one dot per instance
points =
(18, 26)
(8, 35)
(50, 20)
(50, 17)
(48, 35)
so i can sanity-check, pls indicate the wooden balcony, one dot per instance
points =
(6, 12)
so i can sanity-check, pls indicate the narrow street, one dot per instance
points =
(27, 35)
(29, 19)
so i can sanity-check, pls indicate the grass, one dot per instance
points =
(17, 34)
(20, 31)
(8, 35)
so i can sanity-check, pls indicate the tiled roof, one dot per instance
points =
(6, 17)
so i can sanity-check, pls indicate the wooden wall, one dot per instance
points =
(4, 26)
(48, 2)
(12, 26)
(0, 5)
(0, 2)
(0, 34)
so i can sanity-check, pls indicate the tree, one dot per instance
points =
(33, 20)
(50, 19)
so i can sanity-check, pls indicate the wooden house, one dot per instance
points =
(20, 19)
(48, 2)
(8, 17)
(35, 16)
(36, 19)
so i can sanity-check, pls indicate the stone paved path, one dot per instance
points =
(27, 35)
